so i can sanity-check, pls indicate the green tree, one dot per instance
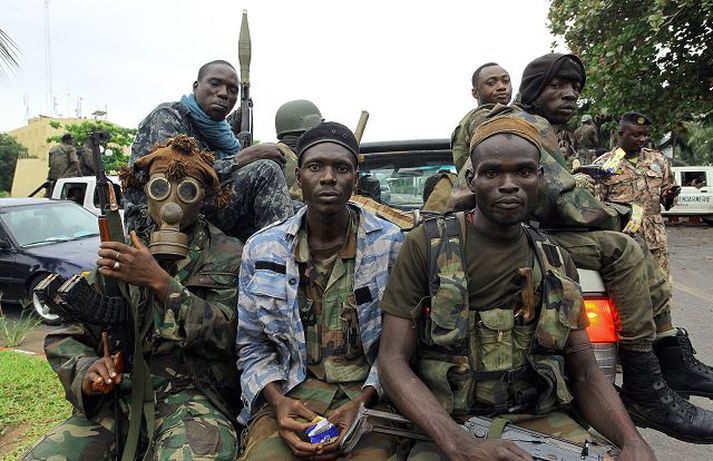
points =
(653, 56)
(699, 141)
(10, 151)
(115, 155)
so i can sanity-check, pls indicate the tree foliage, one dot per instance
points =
(652, 56)
(10, 151)
(698, 137)
(115, 155)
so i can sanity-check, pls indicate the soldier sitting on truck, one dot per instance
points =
(487, 312)
(253, 174)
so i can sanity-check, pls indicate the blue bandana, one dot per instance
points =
(218, 135)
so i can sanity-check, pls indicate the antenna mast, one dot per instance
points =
(51, 107)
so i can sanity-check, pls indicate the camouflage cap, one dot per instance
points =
(506, 124)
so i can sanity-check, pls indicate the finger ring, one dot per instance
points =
(116, 266)
(118, 255)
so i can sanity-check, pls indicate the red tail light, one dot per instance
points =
(602, 320)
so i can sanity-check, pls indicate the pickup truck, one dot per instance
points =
(82, 190)
(696, 197)
(402, 168)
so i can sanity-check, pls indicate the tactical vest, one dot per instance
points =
(496, 360)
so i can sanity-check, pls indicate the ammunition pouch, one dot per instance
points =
(484, 362)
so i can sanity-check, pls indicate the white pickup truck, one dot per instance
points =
(696, 197)
(82, 190)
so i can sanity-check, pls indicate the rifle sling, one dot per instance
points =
(496, 428)
(143, 403)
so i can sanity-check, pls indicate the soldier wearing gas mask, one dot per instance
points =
(181, 289)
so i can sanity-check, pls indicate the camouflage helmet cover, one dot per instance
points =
(296, 117)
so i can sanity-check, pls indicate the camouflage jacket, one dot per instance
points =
(193, 331)
(271, 338)
(165, 121)
(586, 137)
(62, 160)
(643, 183)
(460, 139)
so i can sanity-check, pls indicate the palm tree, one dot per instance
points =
(8, 54)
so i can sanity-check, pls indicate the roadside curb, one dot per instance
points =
(21, 351)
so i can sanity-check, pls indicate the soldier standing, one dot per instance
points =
(185, 309)
(645, 178)
(586, 139)
(308, 310)
(63, 161)
(466, 332)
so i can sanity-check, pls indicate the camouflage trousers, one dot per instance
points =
(632, 277)
(188, 427)
(661, 256)
(557, 424)
(262, 441)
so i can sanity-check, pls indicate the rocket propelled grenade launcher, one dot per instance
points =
(246, 103)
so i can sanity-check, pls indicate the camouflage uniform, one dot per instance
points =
(260, 196)
(460, 139)
(587, 141)
(191, 341)
(632, 277)
(62, 161)
(313, 328)
(478, 358)
(643, 181)
(86, 161)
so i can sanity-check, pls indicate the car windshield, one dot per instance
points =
(48, 223)
(403, 187)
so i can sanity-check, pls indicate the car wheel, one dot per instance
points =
(40, 308)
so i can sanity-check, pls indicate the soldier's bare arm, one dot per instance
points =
(411, 396)
(598, 401)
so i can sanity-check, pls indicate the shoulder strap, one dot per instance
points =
(445, 228)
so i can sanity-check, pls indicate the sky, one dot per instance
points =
(408, 63)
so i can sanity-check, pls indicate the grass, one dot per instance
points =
(13, 333)
(31, 402)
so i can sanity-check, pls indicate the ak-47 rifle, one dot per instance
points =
(540, 446)
(246, 103)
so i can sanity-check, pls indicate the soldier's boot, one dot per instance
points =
(652, 403)
(683, 372)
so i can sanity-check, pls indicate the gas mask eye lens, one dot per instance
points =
(159, 188)
(188, 191)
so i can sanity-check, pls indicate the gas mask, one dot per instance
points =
(174, 206)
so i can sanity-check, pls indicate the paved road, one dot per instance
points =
(692, 263)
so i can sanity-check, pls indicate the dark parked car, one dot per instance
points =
(39, 237)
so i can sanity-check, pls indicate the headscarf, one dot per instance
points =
(545, 68)
(217, 134)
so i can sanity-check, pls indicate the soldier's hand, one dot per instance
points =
(343, 417)
(289, 414)
(488, 450)
(134, 265)
(102, 376)
(584, 181)
(266, 151)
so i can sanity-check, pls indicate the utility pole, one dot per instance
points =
(49, 94)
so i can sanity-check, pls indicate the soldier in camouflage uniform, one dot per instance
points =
(645, 178)
(656, 358)
(587, 139)
(259, 192)
(308, 309)
(483, 317)
(185, 311)
(63, 161)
